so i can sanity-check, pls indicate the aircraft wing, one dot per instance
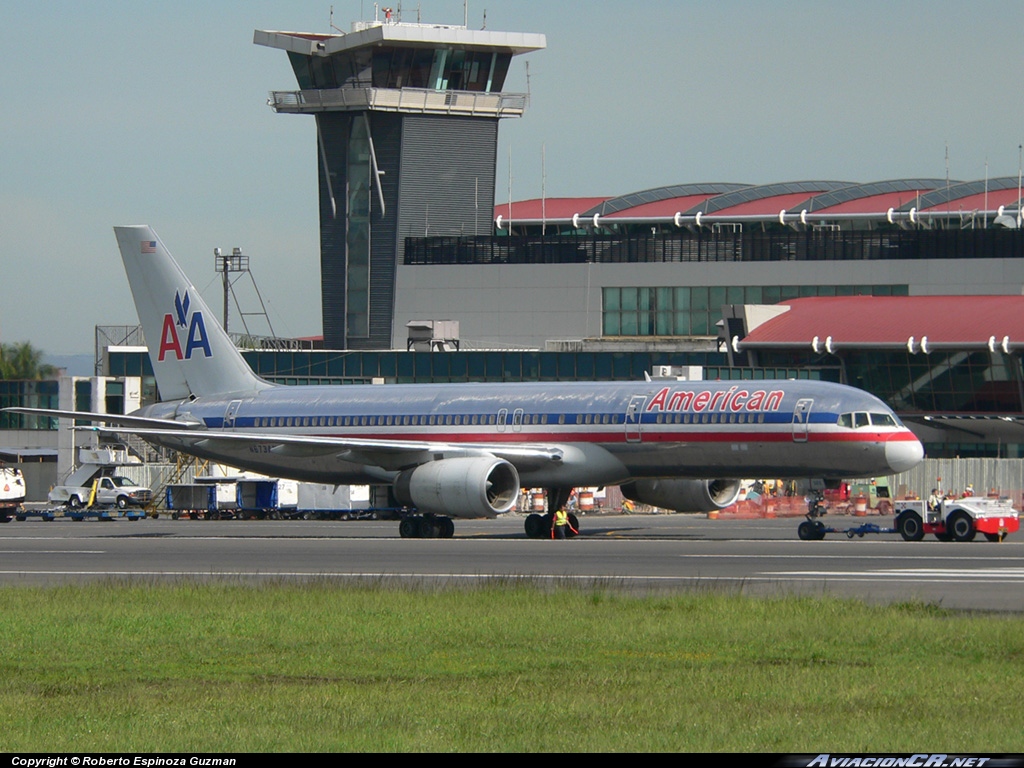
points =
(122, 422)
(388, 454)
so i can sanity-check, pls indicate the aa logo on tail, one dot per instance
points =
(196, 338)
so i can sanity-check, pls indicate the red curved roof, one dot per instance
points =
(876, 203)
(554, 207)
(995, 198)
(764, 205)
(893, 319)
(668, 207)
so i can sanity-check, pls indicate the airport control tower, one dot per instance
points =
(407, 134)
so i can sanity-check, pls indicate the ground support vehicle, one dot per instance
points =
(12, 493)
(952, 520)
(96, 513)
(815, 530)
(192, 500)
(272, 499)
(113, 491)
(957, 519)
(812, 529)
(47, 515)
(347, 514)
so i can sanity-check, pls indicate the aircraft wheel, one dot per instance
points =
(574, 525)
(428, 528)
(994, 536)
(408, 529)
(447, 528)
(961, 527)
(910, 526)
(534, 526)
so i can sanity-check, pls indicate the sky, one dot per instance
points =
(137, 112)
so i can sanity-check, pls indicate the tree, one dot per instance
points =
(21, 361)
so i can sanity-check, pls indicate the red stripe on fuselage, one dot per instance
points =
(783, 435)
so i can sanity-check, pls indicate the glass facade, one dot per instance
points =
(340, 367)
(28, 394)
(694, 310)
(357, 270)
(775, 243)
(440, 69)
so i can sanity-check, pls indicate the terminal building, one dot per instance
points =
(912, 289)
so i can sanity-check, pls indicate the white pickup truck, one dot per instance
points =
(110, 491)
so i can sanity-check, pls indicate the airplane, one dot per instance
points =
(465, 450)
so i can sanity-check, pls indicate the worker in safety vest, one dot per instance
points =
(559, 524)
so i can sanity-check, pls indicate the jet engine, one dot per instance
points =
(479, 486)
(684, 495)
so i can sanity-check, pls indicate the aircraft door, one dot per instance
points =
(801, 419)
(517, 420)
(634, 411)
(229, 414)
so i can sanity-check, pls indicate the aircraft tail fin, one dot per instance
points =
(190, 351)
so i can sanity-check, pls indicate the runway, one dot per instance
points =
(646, 553)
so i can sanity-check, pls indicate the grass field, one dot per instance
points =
(319, 667)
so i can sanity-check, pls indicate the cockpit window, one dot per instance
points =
(861, 419)
(883, 420)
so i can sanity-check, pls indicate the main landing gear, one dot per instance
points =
(539, 526)
(426, 527)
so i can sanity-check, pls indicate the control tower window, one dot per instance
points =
(403, 67)
(440, 69)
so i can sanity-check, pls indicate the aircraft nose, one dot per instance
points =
(903, 452)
